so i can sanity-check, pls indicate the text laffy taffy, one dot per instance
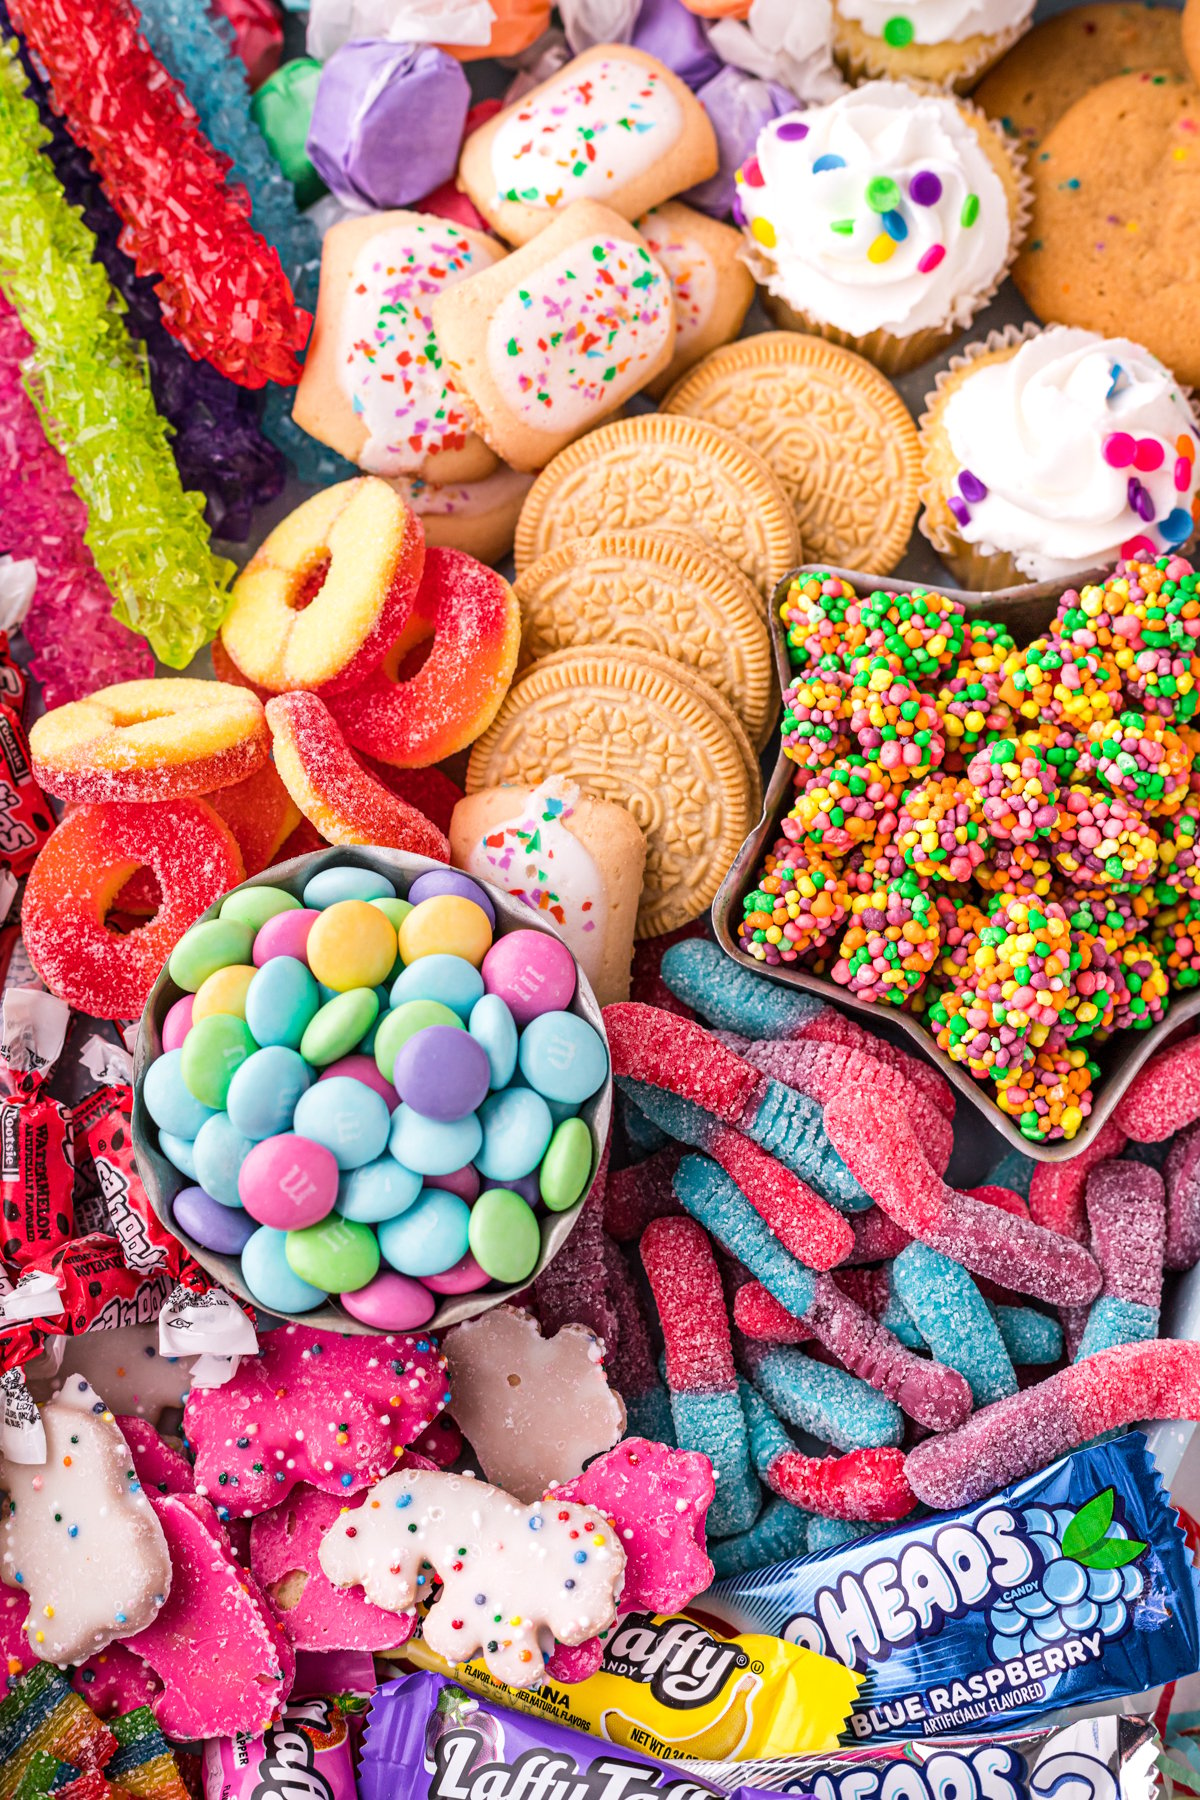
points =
(1068, 1588)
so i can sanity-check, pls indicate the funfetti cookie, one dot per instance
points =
(713, 288)
(613, 125)
(664, 591)
(546, 344)
(665, 472)
(374, 386)
(570, 858)
(831, 428)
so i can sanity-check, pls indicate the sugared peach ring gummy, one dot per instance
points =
(334, 792)
(319, 603)
(150, 740)
(94, 852)
(446, 702)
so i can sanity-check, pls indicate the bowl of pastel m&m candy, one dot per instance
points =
(370, 1091)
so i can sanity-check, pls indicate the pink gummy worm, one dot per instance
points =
(863, 1484)
(822, 1070)
(1159, 1379)
(876, 1237)
(758, 1314)
(1183, 1201)
(648, 1044)
(833, 1027)
(1056, 1190)
(1007, 1199)
(814, 1232)
(881, 1148)
(641, 1192)
(686, 1285)
(1164, 1096)
(1127, 1213)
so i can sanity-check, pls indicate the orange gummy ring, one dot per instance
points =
(412, 712)
(150, 740)
(318, 604)
(334, 792)
(83, 867)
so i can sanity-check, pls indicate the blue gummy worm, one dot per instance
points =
(896, 1320)
(832, 1405)
(781, 1532)
(712, 1198)
(953, 1317)
(1112, 1321)
(792, 1128)
(828, 1534)
(715, 1424)
(1015, 1173)
(642, 1135)
(768, 1439)
(1030, 1337)
(732, 998)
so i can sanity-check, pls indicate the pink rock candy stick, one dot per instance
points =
(1106, 1392)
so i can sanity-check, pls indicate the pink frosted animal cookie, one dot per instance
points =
(657, 1499)
(514, 1578)
(79, 1536)
(533, 1408)
(15, 1652)
(314, 1614)
(157, 1464)
(115, 1681)
(331, 1411)
(224, 1663)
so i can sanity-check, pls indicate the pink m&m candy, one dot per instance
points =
(463, 1278)
(178, 1022)
(532, 972)
(366, 1069)
(288, 1181)
(464, 1182)
(391, 1302)
(286, 934)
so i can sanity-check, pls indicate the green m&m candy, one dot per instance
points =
(403, 1022)
(211, 1055)
(566, 1166)
(253, 906)
(211, 945)
(335, 1030)
(503, 1235)
(336, 1254)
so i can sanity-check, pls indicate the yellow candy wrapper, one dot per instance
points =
(676, 1687)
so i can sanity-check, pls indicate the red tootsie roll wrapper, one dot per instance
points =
(37, 1165)
(12, 679)
(25, 817)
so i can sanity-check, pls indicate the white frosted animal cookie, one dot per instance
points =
(533, 1409)
(127, 1367)
(79, 1536)
(515, 1579)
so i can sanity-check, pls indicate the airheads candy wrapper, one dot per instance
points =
(669, 1687)
(429, 1739)
(1109, 1758)
(1071, 1587)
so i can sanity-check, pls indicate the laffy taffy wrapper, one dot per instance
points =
(670, 1686)
(310, 1749)
(1071, 1587)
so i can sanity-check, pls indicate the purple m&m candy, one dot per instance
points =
(288, 1181)
(224, 1229)
(177, 1024)
(532, 972)
(442, 1073)
(284, 935)
(449, 881)
(391, 1302)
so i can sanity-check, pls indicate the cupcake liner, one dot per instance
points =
(864, 58)
(891, 354)
(970, 565)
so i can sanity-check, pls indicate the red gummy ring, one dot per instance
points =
(415, 715)
(320, 601)
(334, 792)
(150, 740)
(94, 852)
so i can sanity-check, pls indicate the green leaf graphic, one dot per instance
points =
(1089, 1525)
(1111, 1553)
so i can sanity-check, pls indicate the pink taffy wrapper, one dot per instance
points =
(311, 1750)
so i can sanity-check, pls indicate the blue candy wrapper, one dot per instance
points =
(1070, 1588)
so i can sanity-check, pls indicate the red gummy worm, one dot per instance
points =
(641, 1192)
(880, 1146)
(1164, 1096)
(648, 1044)
(1056, 1190)
(1006, 1199)
(1106, 1392)
(822, 1070)
(758, 1314)
(814, 1232)
(686, 1284)
(830, 1026)
(863, 1484)
(1127, 1213)
(222, 288)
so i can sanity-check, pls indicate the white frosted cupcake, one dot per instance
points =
(884, 220)
(950, 43)
(1049, 452)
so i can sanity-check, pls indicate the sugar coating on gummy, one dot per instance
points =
(657, 1499)
(557, 1576)
(358, 1401)
(80, 1536)
(953, 1318)
(1183, 1201)
(1126, 1209)
(1164, 1096)
(632, 1366)
(1056, 1190)
(827, 1402)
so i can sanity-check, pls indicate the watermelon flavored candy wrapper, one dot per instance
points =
(309, 1753)
(1070, 1588)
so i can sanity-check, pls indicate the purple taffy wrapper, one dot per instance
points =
(738, 106)
(666, 29)
(388, 122)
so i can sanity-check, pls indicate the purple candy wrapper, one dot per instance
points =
(666, 29)
(738, 106)
(388, 122)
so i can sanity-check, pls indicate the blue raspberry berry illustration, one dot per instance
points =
(1087, 1582)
